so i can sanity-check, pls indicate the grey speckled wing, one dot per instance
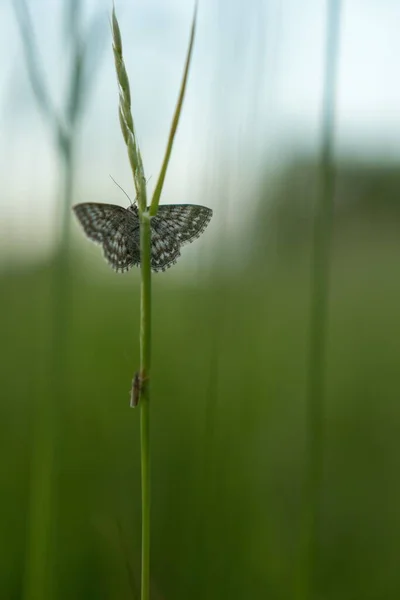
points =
(117, 230)
(185, 222)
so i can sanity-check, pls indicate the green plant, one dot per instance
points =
(145, 214)
(64, 127)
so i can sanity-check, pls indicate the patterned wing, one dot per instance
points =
(183, 222)
(98, 220)
(121, 251)
(164, 248)
(115, 228)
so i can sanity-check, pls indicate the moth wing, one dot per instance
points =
(185, 222)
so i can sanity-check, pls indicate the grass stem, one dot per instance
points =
(175, 120)
(145, 357)
(145, 213)
(320, 275)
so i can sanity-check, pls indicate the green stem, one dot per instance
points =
(145, 355)
(38, 582)
(158, 189)
(128, 132)
(320, 276)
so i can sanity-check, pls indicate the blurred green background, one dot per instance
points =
(231, 335)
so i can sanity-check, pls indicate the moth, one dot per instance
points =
(117, 229)
(138, 382)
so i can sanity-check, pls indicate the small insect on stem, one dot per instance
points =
(138, 382)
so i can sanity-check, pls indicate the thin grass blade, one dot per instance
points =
(157, 192)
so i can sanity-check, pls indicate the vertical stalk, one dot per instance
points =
(63, 124)
(68, 160)
(320, 276)
(37, 580)
(145, 355)
(37, 585)
(136, 163)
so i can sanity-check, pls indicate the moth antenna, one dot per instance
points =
(122, 189)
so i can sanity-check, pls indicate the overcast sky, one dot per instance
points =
(254, 95)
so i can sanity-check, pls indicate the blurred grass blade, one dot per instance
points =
(31, 56)
(320, 275)
(74, 103)
(157, 192)
(40, 526)
(72, 19)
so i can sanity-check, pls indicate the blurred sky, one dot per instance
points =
(253, 100)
